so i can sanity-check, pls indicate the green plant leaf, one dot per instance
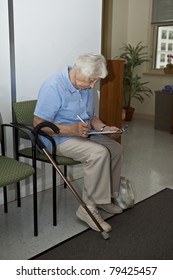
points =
(134, 87)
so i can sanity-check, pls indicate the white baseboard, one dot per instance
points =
(144, 116)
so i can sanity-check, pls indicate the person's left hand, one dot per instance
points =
(112, 128)
(109, 128)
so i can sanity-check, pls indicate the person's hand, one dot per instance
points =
(112, 128)
(82, 129)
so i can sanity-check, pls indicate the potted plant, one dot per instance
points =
(169, 66)
(134, 87)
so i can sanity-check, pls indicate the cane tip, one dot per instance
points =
(105, 235)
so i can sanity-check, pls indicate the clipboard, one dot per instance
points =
(119, 131)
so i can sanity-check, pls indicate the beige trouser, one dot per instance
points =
(101, 157)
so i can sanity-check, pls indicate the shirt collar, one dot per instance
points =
(69, 84)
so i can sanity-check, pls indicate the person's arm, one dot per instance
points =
(76, 129)
(98, 125)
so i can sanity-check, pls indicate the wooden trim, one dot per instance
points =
(107, 28)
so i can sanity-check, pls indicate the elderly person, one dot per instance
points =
(66, 99)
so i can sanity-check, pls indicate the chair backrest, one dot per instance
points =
(24, 113)
(24, 110)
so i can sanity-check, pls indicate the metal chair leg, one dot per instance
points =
(54, 196)
(18, 195)
(5, 199)
(35, 208)
(65, 174)
(35, 204)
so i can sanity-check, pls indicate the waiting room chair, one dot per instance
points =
(11, 170)
(24, 114)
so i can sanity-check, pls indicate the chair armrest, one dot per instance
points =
(34, 132)
(37, 131)
(22, 125)
(25, 129)
(15, 127)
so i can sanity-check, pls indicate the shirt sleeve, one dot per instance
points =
(90, 104)
(48, 103)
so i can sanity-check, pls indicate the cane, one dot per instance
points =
(36, 131)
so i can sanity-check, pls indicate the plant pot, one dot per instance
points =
(129, 113)
(168, 70)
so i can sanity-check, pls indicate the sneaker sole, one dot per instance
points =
(78, 214)
(117, 212)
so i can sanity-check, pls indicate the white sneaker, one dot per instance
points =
(83, 215)
(111, 208)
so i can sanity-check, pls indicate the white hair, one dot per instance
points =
(91, 65)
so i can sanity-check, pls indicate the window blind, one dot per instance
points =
(162, 11)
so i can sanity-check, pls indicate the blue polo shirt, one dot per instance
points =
(60, 102)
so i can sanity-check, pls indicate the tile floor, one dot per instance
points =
(148, 163)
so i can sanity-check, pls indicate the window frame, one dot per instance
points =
(155, 32)
(161, 16)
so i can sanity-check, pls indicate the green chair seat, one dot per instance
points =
(12, 171)
(61, 160)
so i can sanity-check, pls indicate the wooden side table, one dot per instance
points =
(172, 120)
(164, 111)
(111, 94)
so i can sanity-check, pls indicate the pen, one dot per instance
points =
(80, 119)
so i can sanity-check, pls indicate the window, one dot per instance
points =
(162, 22)
(170, 47)
(164, 45)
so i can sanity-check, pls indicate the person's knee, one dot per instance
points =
(103, 152)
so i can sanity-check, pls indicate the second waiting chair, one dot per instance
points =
(12, 170)
(23, 112)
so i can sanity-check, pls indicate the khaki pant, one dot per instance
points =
(101, 157)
